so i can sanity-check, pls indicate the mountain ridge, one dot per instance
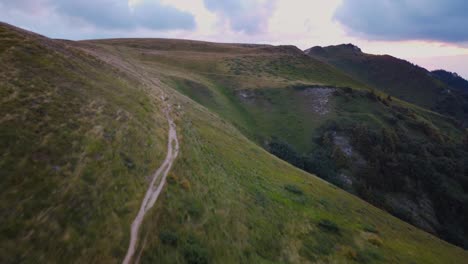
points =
(452, 79)
(396, 77)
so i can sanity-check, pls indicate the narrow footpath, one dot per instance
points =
(153, 191)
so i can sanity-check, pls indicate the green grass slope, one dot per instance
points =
(73, 173)
(216, 74)
(396, 77)
(309, 114)
(229, 201)
(78, 139)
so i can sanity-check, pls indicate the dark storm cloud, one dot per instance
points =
(249, 16)
(406, 19)
(111, 14)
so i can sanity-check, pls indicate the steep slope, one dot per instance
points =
(395, 77)
(383, 149)
(230, 201)
(227, 200)
(78, 139)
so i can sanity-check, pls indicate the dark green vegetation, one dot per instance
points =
(397, 78)
(452, 79)
(227, 200)
(404, 164)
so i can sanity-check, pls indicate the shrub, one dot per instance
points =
(293, 189)
(285, 152)
(340, 158)
(375, 241)
(348, 90)
(172, 178)
(329, 226)
(368, 256)
(350, 253)
(128, 162)
(194, 209)
(194, 253)
(320, 163)
(370, 229)
(168, 237)
(372, 95)
(185, 184)
(317, 244)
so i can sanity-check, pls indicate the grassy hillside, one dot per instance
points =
(82, 140)
(321, 121)
(230, 201)
(78, 139)
(216, 75)
(396, 77)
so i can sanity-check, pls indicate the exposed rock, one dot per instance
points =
(421, 212)
(342, 142)
(319, 99)
(345, 180)
(246, 95)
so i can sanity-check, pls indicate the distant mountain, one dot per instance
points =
(396, 77)
(452, 79)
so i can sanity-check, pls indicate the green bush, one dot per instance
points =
(293, 189)
(321, 164)
(194, 253)
(194, 209)
(369, 256)
(370, 229)
(329, 226)
(168, 238)
(285, 152)
(318, 244)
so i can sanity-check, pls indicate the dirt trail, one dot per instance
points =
(153, 191)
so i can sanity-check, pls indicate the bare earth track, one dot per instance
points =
(154, 190)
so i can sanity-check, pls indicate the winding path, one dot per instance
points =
(153, 191)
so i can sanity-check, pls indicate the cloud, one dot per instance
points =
(248, 16)
(109, 14)
(32, 7)
(406, 19)
(117, 14)
(451, 63)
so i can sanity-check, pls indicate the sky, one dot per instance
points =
(430, 33)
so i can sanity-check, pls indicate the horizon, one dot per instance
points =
(433, 38)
